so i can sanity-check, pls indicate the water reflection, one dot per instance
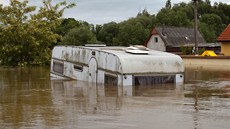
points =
(23, 96)
(106, 97)
(196, 74)
(95, 94)
(28, 99)
(209, 90)
(87, 97)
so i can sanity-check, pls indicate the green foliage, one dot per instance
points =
(132, 32)
(211, 26)
(207, 32)
(201, 51)
(76, 32)
(214, 21)
(186, 50)
(26, 37)
(222, 10)
(79, 36)
(168, 4)
(205, 7)
(173, 17)
(66, 25)
(107, 32)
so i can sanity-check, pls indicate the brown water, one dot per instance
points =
(28, 100)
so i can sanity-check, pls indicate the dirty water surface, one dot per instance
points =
(30, 100)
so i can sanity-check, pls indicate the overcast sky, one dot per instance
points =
(104, 11)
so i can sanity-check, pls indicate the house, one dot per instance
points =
(224, 39)
(172, 39)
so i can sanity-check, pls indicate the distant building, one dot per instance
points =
(224, 39)
(172, 39)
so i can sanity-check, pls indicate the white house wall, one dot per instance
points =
(156, 45)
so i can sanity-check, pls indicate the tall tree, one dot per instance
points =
(132, 32)
(79, 36)
(66, 25)
(27, 37)
(215, 26)
(168, 17)
(108, 32)
(168, 4)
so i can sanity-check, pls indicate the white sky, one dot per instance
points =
(104, 11)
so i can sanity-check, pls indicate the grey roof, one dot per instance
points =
(178, 36)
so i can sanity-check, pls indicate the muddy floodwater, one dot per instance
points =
(30, 100)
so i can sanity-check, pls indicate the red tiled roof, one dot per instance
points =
(153, 32)
(225, 35)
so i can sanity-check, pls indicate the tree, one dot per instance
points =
(27, 37)
(97, 30)
(79, 36)
(66, 25)
(132, 32)
(223, 12)
(204, 7)
(145, 19)
(168, 4)
(108, 32)
(167, 17)
(186, 8)
(214, 23)
(207, 32)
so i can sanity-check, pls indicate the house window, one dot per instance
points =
(110, 79)
(58, 67)
(78, 67)
(151, 80)
(156, 40)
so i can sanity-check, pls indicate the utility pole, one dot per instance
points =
(195, 26)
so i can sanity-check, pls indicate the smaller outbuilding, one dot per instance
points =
(224, 39)
(175, 39)
(170, 39)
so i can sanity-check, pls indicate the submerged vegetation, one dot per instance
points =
(28, 36)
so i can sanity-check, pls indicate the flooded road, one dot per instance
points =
(28, 100)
